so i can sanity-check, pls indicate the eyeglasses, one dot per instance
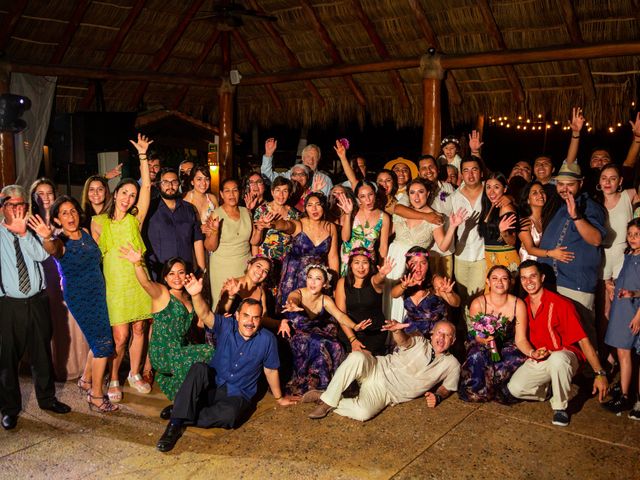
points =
(298, 174)
(15, 206)
(166, 183)
(257, 182)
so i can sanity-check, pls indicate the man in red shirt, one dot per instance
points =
(555, 343)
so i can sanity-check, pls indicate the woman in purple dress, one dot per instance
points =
(481, 378)
(313, 332)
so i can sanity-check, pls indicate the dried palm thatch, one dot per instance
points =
(118, 35)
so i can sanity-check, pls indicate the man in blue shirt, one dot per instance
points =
(578, 225)
(25, 323)
(221, 393)
(174, 228)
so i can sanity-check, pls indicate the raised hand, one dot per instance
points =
(318, 183)
(142, 145)
(362, 325)
(507, 222)
(344, 203)
(446, 286)
(285, 329)
(393, 326)
(130, 253)
(231, 286)
(387, 266)
(213, 224)
(635, 126)
(458, 218)
(577, 119)
(291, 306)
(39, 226)
(408, 280)
(571, 206)
(474, 141)
(340, 150)
(114, 172)
(18, 224)
(250, 200)
(192, 285)
(270, 146)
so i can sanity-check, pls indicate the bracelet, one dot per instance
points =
(50, 239)
(278, 398)
(575, 219)
(574, 136)
(139, 263)
(438, 398)
(142, 154)
(403, 287)
(352, 339)
(546, 254)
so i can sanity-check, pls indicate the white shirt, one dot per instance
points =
(442, 204)
(469, 245)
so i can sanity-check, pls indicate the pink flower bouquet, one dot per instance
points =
(485, 325)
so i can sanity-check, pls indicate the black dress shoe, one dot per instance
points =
(9, 422)
(165, 414)
(56, 407)
(169, 437)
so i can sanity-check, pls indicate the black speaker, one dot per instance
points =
(11, 109)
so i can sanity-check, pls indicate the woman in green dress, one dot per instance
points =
(172, 312)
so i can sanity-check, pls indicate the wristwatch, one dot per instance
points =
(601, 373)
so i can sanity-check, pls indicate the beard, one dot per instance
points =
(170, 196)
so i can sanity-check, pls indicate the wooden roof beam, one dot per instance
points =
(69, 32)
(381, 49)
(256, 66)
(452, 62)
(204, 53)
(165, 50)
(573, 28)
(10, 21)
(291, 57)
(430, 36)
(331, 49)
(509, 70)
(126, 26)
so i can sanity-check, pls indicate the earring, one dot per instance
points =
(619, 189)
(598, 187)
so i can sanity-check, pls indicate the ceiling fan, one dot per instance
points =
(230, 14)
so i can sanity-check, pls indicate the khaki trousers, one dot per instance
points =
(531, 380)
(470, 280)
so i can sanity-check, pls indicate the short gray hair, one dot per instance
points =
(311, 146)
(14, 191)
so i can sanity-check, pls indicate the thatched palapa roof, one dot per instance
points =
(332, 61)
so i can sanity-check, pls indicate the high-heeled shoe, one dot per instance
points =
(114, 391)
(84, 386)
(105, 407)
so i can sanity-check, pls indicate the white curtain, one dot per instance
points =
(29, 142)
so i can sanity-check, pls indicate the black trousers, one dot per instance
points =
(25, 324)
(199, 402)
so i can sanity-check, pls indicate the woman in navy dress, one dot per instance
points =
(78, 258)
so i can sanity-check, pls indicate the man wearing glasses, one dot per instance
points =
(25, 323)
(174, 229)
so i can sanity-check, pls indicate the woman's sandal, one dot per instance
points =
(148, 376)
(84, 386)
(105, 407)
(136, 381)
(116, 396)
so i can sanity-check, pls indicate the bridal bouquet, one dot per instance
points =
(486, 325)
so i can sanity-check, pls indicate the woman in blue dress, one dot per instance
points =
(313, 332)
(481, 378)
(426, 299)
(78, 258)
(623, 331)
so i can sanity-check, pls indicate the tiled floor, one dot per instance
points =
(454, 441)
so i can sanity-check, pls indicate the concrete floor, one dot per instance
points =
(454, 441)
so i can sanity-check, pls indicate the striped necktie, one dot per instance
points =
(23, 275)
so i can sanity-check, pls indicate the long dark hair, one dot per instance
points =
(394, 177)
(85, 203)
(635, 222)
(524, 209)
(426, 282)
(111, 207)
(321, 198)
(333, 210)
(55, 208)
(33, 198)
(380, 201)
(429, 186)
(489, 217)
(168, 265)
(351, 279)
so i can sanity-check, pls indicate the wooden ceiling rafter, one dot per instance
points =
(114, 48)
(256, 66)
(573, 29)
(473, 60)
(381, 48)
(204, 53)
(70, 31)
(165, 50)
(10, 21)
(291, 57)
(432, 39)
(332, 50)
(509, 70)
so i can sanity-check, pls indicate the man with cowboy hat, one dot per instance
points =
(578, 225)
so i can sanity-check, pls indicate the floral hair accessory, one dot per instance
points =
(449, 139)
(416, 254)
(345, 143)
(318, 266)
(362, 251)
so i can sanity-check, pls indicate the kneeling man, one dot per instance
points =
(555, 343)
(415, 367)
(220, 394)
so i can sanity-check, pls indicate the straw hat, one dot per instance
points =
(412, 166)
(569, 171)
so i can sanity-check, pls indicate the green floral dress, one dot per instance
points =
(361, 236)
(171, 355)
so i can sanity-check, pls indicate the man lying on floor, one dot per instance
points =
(416, 366)
(219, 394)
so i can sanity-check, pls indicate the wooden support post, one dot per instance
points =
(225, 111)
(432, 75)
(7, 150)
